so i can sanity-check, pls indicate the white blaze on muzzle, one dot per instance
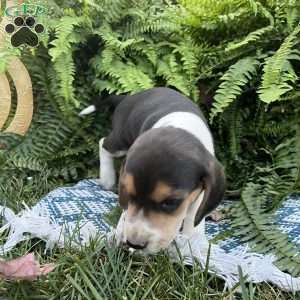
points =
(140, 231)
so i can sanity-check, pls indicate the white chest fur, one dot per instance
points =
(192, 124)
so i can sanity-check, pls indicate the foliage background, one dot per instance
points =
(238, 59)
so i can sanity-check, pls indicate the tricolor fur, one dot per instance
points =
(170, 178)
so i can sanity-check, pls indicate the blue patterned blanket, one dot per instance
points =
(86, 201)
(82, 211)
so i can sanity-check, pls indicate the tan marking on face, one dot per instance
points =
(157, 229)
(161, 192)
(128, 183)
(166, 221)
(126, 187)
(193, 195)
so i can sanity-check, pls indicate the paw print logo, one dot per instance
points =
(24, 30)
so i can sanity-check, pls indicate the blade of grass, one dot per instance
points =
(150, 287)
(89, 284)
(77, 286)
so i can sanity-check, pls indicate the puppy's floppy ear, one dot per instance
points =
(213, 181)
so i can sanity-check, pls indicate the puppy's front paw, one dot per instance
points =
(120, 230)
(216, 216)
(106, 183)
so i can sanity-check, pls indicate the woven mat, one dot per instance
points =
(86, 201)
(82, 211)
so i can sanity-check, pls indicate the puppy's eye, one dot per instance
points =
(170, 205)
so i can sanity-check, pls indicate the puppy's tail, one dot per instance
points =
(88, 110)
(111, 101)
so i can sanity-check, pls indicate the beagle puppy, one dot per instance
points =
(170, 180)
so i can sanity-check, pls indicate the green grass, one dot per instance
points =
(101, 272)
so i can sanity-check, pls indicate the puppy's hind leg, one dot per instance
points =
(107, 169)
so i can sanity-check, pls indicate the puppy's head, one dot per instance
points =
(165, 171)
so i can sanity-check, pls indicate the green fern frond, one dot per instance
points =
(261, 9)
(257, 228)
(233, 118)
(148, 51)
(253, 216)
(115, 9)
(115, 40)
(292, 13)
(128, 77)
(61, 55)
(23, 162)
(233, 82)
(139, 60)
(108, 85)
(65, 69)
(251, 38)
(278, 73)
(283, 174)
(153, 26)
(68, 170)
(273, 129)
(202, 11)
(150, 18)
(169, 69)
(37, 148)
(188, 58)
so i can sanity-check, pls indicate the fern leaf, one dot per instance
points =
(265, 237)
(188, 57)
(115, 40)
(279, 75)
(233, 118)
(233, 82)
(128, 77)
(254, 214)
(61, 55)
(251, 38)
(169, 69)
(115, 9)
(292, 12)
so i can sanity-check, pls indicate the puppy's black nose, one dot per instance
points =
(136, 246)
